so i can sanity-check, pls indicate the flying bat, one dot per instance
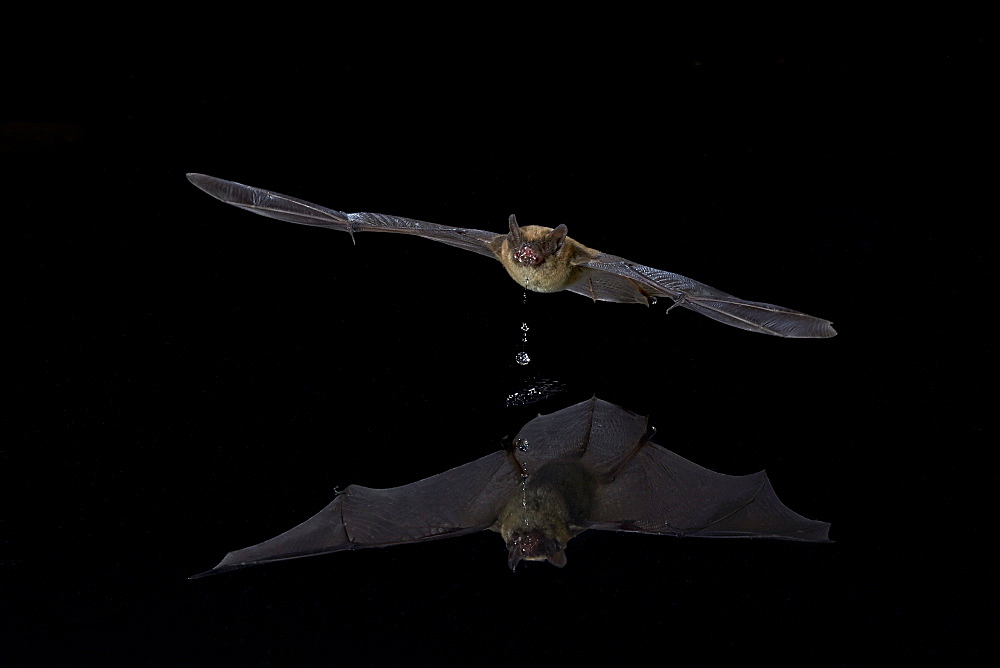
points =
(542, 259)
(590, 466)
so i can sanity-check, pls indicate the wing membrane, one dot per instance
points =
(293, 210)
(695, 296)
(661, 492)
(459, 501)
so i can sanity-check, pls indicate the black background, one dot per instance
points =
(189, 379)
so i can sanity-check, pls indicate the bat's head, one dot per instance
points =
(534, 545)
(542, 516)
(532, 245)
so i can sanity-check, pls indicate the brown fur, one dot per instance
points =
(555, 273)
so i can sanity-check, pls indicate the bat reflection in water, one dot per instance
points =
(589, 466)
(540, 258)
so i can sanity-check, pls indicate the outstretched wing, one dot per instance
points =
(460, 501)
(283, 207)
(658, 491)
(611, 278)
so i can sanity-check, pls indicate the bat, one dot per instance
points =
(590, 466)
(542, 259)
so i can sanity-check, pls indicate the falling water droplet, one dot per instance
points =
(522, 444)
(524, 493)
(652, 301)
(522, 358)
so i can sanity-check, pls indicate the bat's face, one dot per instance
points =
(536, 521)
(537, 257)
(534, 545)
(532, 245)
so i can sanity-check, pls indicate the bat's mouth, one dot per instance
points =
(534, 545)
(527, 255)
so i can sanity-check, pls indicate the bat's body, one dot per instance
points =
(589, 466)
(540, 258)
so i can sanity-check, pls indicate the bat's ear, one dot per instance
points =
(559, 234)
(552, 242)
(515, 229)
(558, 558)
(514, 556)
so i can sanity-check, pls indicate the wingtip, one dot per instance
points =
(826, 330)
(218, 570)
(220, 189)
(200, 181)
(818, 531)
(812, 328)
(204, 574)
(826, 532)
(224, 566)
